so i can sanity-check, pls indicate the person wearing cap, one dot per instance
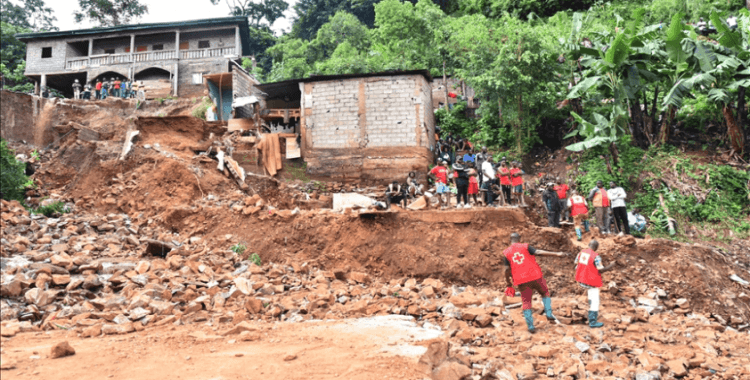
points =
(552, 204)
(76, 89)
(461, 179)
(440, 174)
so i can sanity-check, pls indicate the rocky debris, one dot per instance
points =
(60, 350)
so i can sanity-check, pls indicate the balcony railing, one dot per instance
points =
(78, 63)
(208, 53)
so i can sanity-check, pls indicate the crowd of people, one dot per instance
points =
(563, 201)
(103, 88)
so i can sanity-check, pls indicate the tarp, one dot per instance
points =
(243, 101)
(271, 152)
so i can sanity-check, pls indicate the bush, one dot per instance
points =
(238, 248)
(12, 174)
(255, 259)
(200, 110)
(50, 209)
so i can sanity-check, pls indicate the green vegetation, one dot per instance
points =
(51, 209)
(297, 171)
(702, 195)
(255, 259)
(12, 176)
(238, 248)
(200, 110)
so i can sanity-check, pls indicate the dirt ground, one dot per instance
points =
(319, 350)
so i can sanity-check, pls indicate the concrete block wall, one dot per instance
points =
(335, 114)
(391, 116)
(428, 118)
(35, 64)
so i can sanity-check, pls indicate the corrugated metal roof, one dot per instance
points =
(241, 21)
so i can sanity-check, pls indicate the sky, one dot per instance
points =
(163, 11)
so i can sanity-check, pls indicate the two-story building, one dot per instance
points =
(170, 58)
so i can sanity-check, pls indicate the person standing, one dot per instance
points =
(552, 205)
(440, 173)
(488, 176)
(474, 185)
(480, 158)
(98, 89)
(523, 271)
(517, 183)
(562, 194)
(105, 89)
(617, 196)
(503, 173)
(86, 95)
(579, 210)
(116, 85)
(76, 89)
(461, 179)
(589, 271)
(599, 198)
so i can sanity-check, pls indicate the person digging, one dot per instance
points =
(527, 275)
(589, 271)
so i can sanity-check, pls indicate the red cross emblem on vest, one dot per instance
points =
(518, 258)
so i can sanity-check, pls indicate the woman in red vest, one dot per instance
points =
(517, 183)
(589, 271)
(504, 174)
(523, 271)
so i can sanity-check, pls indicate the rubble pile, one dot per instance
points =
(102, 275)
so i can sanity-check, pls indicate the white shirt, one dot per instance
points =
(488, 172)
(617, 197)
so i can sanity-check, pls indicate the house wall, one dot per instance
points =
(242, 86)
(375, 128)
(21, 117)
(35, 64)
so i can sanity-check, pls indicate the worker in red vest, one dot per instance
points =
(589, 271)
(579, 210)
(524, 272)
(600, 200)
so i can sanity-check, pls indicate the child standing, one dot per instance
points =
(589, 271)
(473, 186)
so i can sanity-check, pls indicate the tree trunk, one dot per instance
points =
(654, 121)
(638, 124)
(615, 154)
(445, 84)
(665, 126)
(520, 123)
(741, 117)
(734, 132)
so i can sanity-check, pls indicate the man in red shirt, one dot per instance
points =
(562, 193)
(505, 183)
(440, 174)
(517, 183)
(579, 210)
(589, 271)
(523, 271)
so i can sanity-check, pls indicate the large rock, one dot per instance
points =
(60, 350)
(451, 370)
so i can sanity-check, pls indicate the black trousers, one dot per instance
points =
(506, 192)
(621, 218)
(553, 219)
(489, 196)
(463, 192)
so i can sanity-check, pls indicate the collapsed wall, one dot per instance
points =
(20, 115)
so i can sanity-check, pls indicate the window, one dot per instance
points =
(157, 47)
(198, 78)
(127, 49)
(184, 45)
(141, 48)
(47, 52)
(109, 51)
(204, 44)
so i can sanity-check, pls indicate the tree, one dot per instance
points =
(256, 10)
(110, 12)
(34, 15)
(12, 177)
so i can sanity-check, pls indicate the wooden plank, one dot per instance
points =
(277, 151)
(240, 124)
(292, 148)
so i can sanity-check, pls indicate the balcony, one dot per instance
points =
(78, 63)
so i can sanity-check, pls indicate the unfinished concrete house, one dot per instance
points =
(170, 58)
(377, 126)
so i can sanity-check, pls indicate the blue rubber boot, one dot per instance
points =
(548, 308)
(586, 225)
(578, 233)
(593, 316)
(527, 315)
